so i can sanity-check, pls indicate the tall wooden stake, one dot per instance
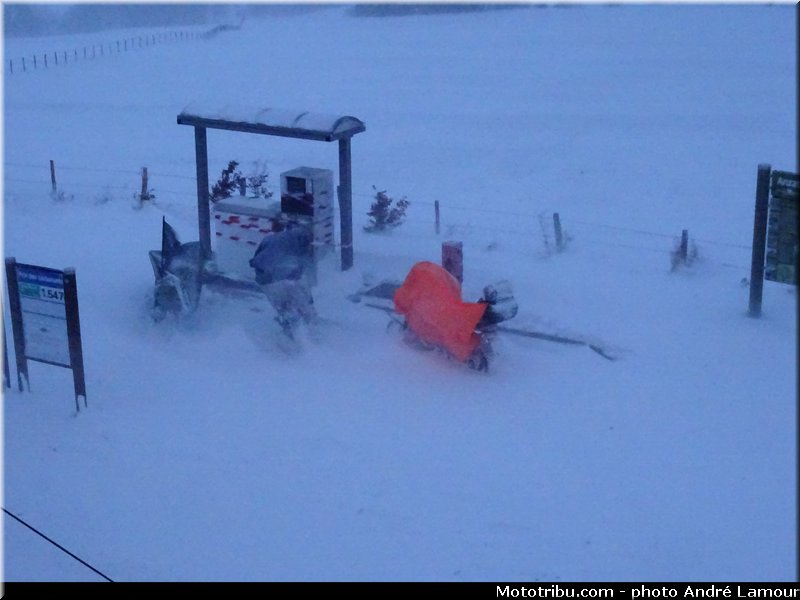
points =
(684, 245)
(145, 195)
(53, 175)
(759, 240)
(559, 237)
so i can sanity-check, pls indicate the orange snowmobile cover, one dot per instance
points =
(430, 300)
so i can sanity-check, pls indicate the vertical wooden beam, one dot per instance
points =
(346, 203)
(203, 214)
(759, 240)
(6, 370)
(15, 308)
(559, 236)
(144, 196)
(53, 175)
(684, 245)
(74, 335)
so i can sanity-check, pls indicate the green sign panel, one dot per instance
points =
(781, 260)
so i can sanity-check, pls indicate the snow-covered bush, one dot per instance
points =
(258, 181)
(383, 215)
(227, 183)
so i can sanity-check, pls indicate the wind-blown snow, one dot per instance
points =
(207, 452)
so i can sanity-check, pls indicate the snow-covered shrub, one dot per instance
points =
(383, 215)
(227, 183)
(258, 181)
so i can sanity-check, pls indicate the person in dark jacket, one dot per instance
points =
(283, 261)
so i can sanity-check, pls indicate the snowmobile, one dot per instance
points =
(427, 309)
(178, 270)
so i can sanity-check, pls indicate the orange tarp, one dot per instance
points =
(430, 300)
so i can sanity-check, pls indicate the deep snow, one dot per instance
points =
(208, 453)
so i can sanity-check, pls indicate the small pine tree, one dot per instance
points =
(258, 181)
(227, 183)
(383, 215)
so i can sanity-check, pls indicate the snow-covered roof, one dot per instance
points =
(273, 121)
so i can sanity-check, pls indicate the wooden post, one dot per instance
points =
(345, 203)
(15, 309)
(759, 240)
(203, 214)
(684, 245)
(55, 55)
(45, 61)
(453, 259)
(34, 62)
(436, 210)
(6, 371)
(53, 175)
(559, 237)
(84, 52)
(11, 66)
(23, 64)
(145, 195)
(74, 335)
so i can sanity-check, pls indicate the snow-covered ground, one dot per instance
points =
(208, 453)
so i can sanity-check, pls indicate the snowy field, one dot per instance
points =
(209, 453)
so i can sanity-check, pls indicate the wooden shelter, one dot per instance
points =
(282, 123)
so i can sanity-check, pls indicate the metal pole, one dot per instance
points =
(203, 215)
(759, 239)
(346, 203)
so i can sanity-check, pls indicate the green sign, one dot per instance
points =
(781, 259)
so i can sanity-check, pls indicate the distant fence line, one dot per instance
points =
(545, 226)
(49, 60)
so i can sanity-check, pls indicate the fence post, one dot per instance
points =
(436, 209)
(559, 237)
(53, 175)
(11, 66)
(453, 259)
(55, 56)
(23, 64)
(34, 62)
(684, 244)
(759, 239)
(145, 195)
(45, 61)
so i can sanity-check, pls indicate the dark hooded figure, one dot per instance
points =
(282, 262)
